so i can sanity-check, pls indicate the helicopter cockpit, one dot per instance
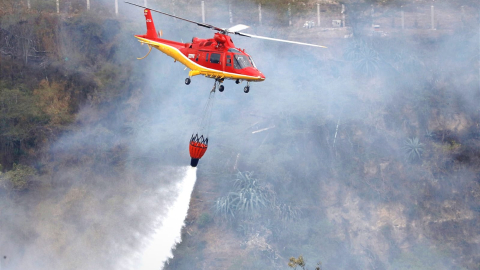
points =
(241, 60)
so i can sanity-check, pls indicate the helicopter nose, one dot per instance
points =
(262, 77)
(259, 75)
(253, 72)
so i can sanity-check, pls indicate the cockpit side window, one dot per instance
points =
(236, 64)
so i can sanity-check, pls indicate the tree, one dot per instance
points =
(19, 118)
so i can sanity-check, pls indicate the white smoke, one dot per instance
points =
(156, 248)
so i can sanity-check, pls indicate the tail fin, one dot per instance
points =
(151, 32)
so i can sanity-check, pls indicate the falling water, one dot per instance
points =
(157, 247)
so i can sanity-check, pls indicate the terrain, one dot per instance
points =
(362, 156)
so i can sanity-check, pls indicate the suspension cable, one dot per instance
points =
(204, 127)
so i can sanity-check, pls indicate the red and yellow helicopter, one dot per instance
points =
(216, 58)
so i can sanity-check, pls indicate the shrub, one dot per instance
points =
(365, 58)
(19, 177)
(413, 148)
(248, 198)
(204, 220)
(300, 262)
(225, 207)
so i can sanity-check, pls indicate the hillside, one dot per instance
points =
(361, 156)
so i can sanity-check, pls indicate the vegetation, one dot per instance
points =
(84, 126)
(364, 58)
(18, 178)
(296, 262)
(204, 220)
(248, 198)
(413, 148)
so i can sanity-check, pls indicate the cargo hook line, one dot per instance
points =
(150, 49)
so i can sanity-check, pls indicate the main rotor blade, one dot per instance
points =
(236, 28)
(233, 29)
(276, 39)
(180, 18)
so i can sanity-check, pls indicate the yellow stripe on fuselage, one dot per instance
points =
(196, 69)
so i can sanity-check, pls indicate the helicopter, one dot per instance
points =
(216, 58)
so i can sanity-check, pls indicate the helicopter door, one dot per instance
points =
(203, 58)
(216, 61)
(215, 58)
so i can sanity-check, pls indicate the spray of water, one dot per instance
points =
(157, 247)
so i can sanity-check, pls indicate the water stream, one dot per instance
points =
(157, 248)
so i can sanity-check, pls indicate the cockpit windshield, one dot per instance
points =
(251, 61)
(241, 61)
